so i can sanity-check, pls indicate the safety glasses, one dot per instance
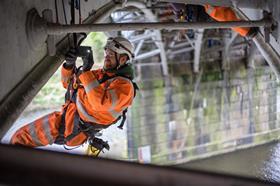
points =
(109, 52)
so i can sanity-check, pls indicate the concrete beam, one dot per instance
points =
(19, 164)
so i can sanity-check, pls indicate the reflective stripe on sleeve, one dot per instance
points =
(33, 134)
(91, 86)
(65, 78)
(84, 112)
(210, 9)
(47, 130)
(114, 102)
(114, 97)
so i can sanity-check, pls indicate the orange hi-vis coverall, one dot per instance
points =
(225, 14)
(96, 103)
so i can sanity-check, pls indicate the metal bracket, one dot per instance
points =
(48, 16)
(35, 29)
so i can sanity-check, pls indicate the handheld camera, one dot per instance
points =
(85, 53)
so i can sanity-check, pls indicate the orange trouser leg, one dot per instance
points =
(41, 132)
(70, 127)
(45, 130)
(225, 14)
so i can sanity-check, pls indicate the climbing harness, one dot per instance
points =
(90, 129)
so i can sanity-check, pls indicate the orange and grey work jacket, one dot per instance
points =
(225, 14)
(100, 103)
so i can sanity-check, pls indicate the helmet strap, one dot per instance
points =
(117, 61)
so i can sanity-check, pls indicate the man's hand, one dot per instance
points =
(70, 58)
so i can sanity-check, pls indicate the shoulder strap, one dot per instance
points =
(136, 88)
(123, 119)
(106, 78)
(70, 94)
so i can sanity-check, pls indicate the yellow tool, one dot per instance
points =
(96, 145)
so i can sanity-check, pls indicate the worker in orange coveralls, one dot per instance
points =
(96, 99)
(196, 13)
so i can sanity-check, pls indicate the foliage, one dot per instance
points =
(50, 96)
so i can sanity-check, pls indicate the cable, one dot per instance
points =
(72, 148)
(63, 6)
(72, 22)
(80, 17)
(65, 19)
(84, 35)
(56, 12)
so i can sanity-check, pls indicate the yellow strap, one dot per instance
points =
(182, 18)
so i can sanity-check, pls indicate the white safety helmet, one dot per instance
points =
(120, 45)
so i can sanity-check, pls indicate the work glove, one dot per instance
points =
(70, 58)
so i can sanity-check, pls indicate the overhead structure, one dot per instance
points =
(140, 39)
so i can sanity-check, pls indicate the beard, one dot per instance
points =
(109, 65)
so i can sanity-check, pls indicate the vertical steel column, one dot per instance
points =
(198, 44)
(226, 52)
(251, 81)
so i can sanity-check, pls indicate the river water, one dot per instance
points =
(261, 162)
